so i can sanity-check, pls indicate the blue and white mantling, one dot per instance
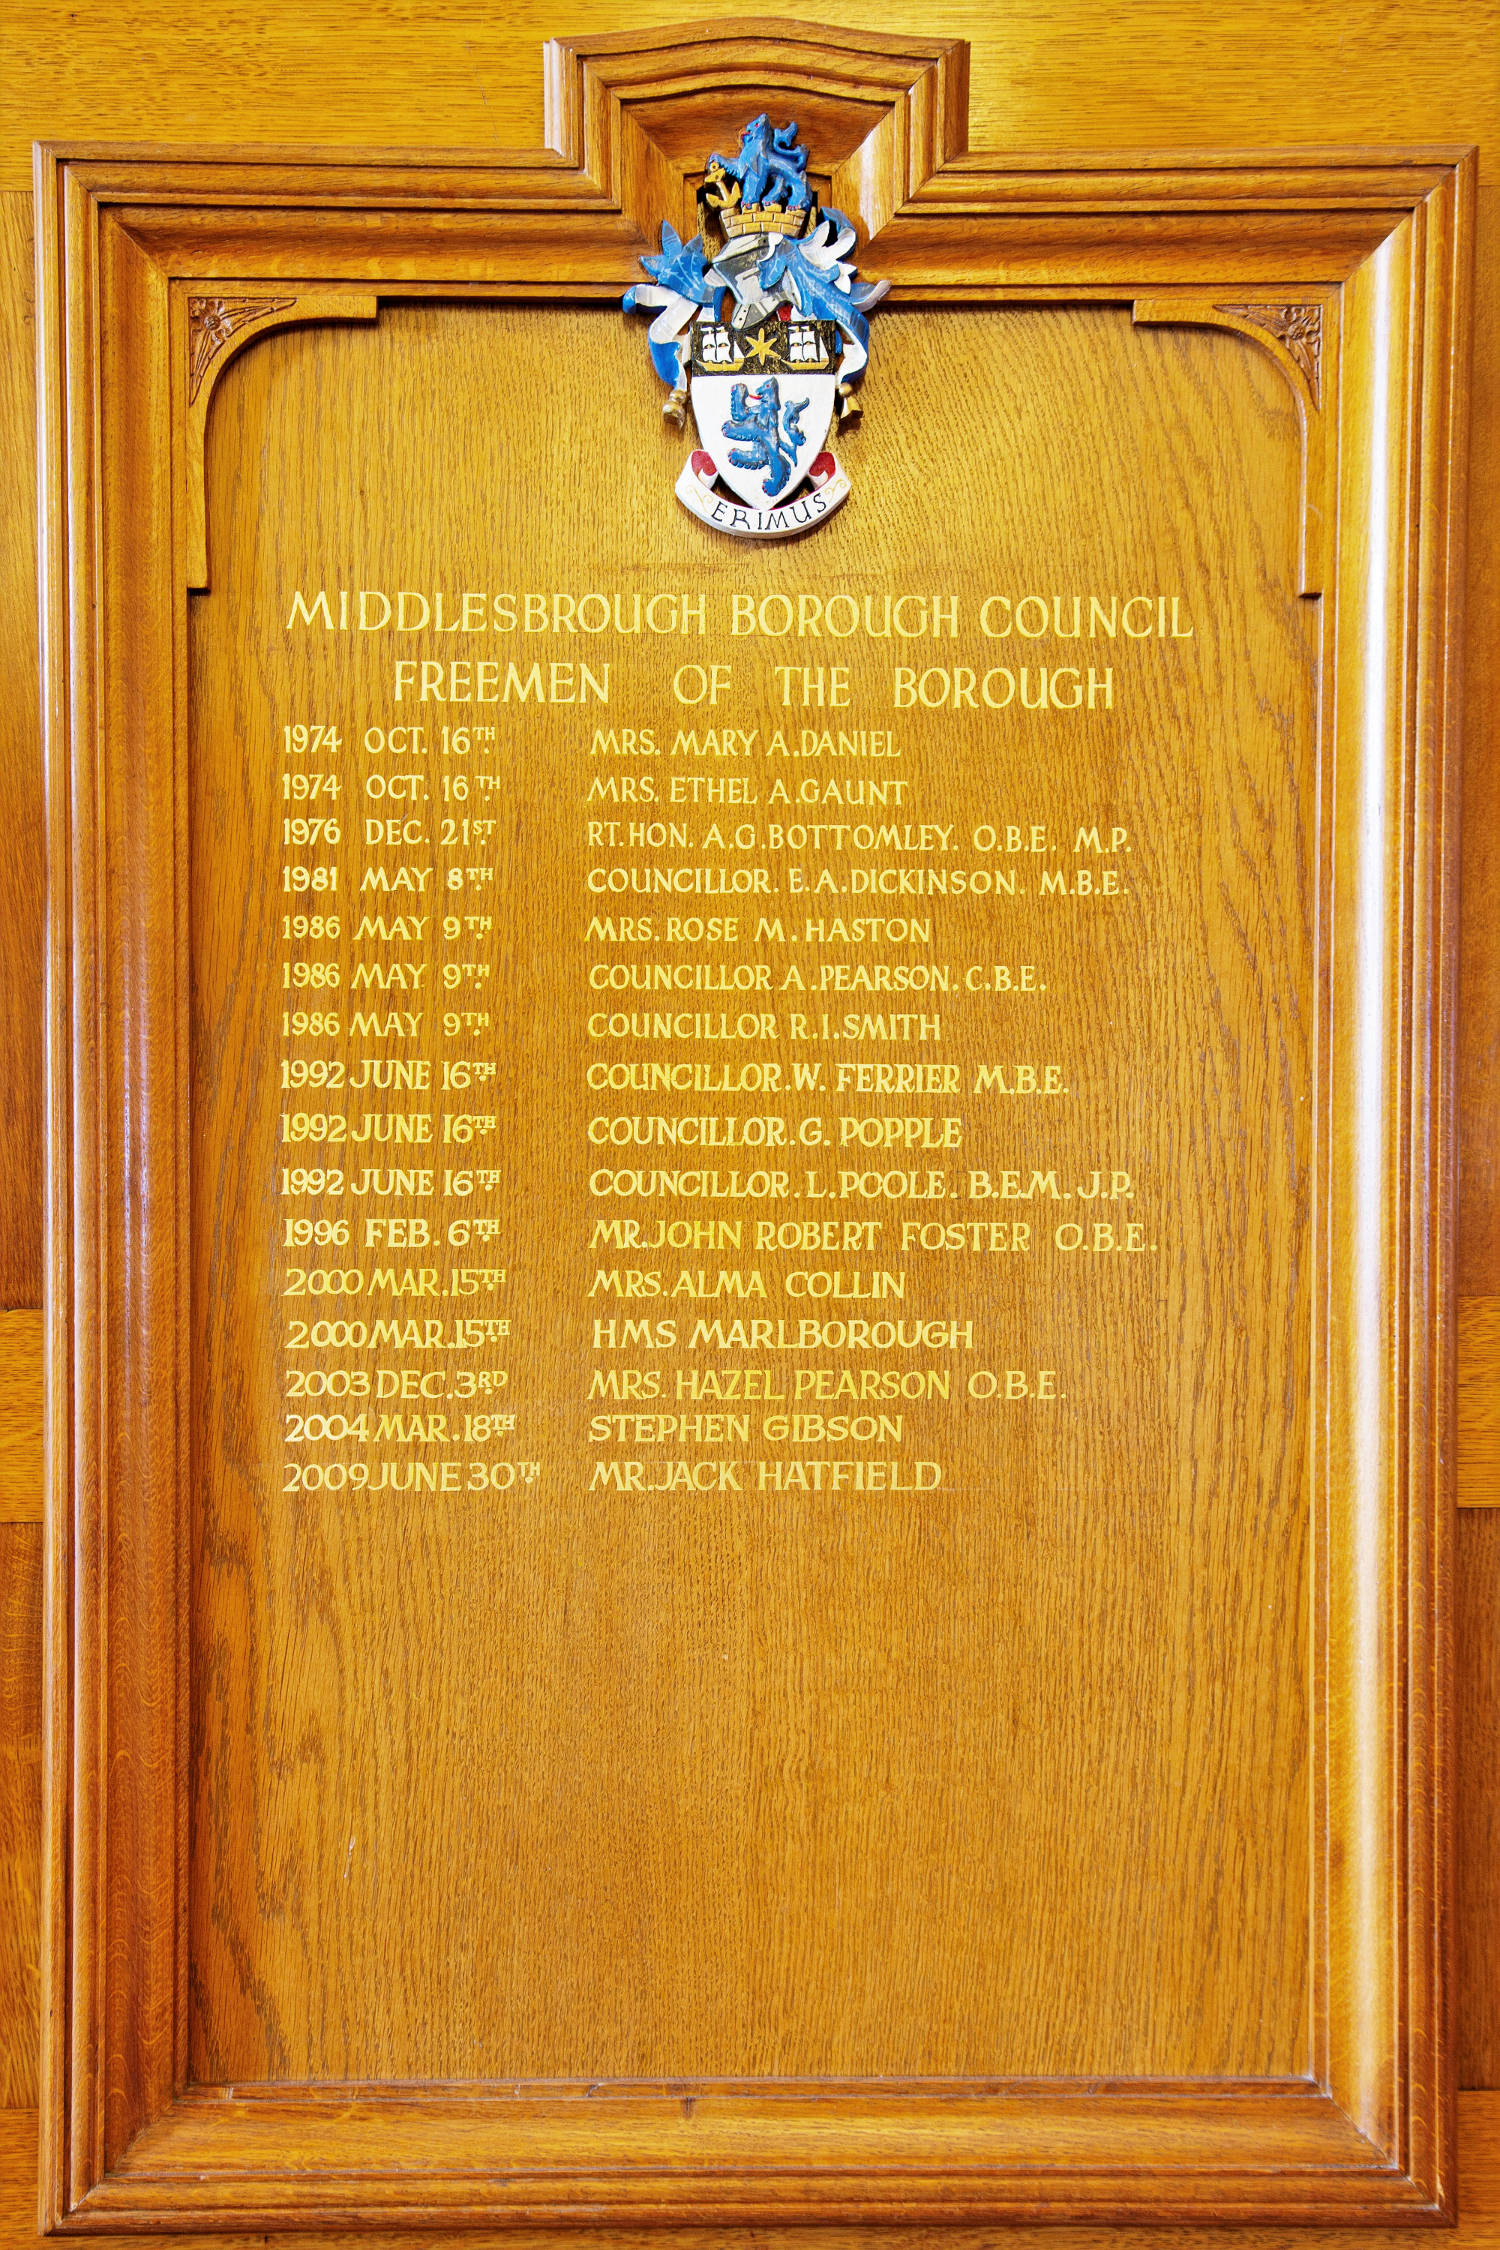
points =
(766, 336)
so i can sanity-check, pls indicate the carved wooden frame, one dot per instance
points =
(1350, 267)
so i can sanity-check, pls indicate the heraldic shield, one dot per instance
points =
(766, 424)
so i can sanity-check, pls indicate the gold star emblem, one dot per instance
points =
(760, 349)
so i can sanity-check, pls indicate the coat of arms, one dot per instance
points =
(765, 335)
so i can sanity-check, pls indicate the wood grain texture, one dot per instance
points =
(21, 1345)
(22, 898)
(1372, 2138)
(1479, 1402)
(1053, 73)
(1048, 75)
(1477, 2227)
(210, 331)
(1479, 965)
(1302, 338)
(832, 1714)
(20, 1810)
(1478, 1842)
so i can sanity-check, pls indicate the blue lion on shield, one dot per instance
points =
(767, 430)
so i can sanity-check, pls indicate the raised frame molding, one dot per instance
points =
(1380, 242)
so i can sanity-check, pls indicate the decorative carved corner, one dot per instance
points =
(1293, 331)
(1297, 328)
(215, 323)
(638, 112)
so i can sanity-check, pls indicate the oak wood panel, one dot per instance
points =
(22, 898)
(20, 1809)
(1383, 1451)
(1477, 1586)
(1062, 74)
(1050, 73)
(806, 1820)
(1056, 74)
(21, 1372)
(1479, 962)
(1479, 1402)
(1477, 2228)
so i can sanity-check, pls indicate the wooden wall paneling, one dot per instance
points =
(22, 911)
(1057, 74)
(1479, 1402)
(1479, 966)
(20, 1809)
(22, 935)
(1370, 2140)
(21, 1407)
(1049, 75)
(1053, 74)
(776, 1916)
(209, 331)
(1477, 1846)
(1477, 2226)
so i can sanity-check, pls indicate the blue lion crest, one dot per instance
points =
(770, 169)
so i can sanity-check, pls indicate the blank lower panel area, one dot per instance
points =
(751, 1159)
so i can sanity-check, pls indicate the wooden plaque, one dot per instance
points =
(750, 1292)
